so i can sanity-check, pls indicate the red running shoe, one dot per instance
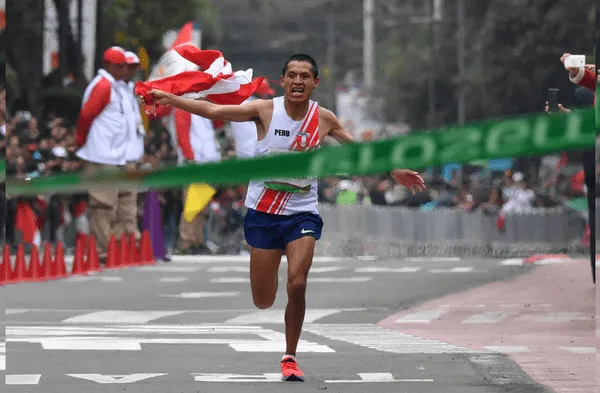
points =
(290, 371)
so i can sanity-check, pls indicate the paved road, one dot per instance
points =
(190, 326)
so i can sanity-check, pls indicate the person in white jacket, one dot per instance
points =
(101, 135)
(126, 220)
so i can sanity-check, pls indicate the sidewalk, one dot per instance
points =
(543, 320)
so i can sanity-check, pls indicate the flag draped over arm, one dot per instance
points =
(215, 80)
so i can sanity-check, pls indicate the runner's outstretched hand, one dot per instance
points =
(408, 178)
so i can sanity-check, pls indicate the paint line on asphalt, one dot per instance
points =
(2, 356)
(513, 262)
(173, 279)
(375, 269)
(276, 316)
(374, 337)
(23, 379)
(91, 344)
(432, 259)
(121, 316)
(579, 350)
(508, 349)
(115, 379)
(202, 295)
(489, 317)
(423, 316)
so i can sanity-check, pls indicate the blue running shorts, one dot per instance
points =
(272, 231)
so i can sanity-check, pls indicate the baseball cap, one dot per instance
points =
(132, 58)
(115, 55)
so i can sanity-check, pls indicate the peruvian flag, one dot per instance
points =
(215, 79)
(26, 223)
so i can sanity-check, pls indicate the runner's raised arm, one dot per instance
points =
(208, 110)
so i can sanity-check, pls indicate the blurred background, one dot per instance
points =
(388, 68)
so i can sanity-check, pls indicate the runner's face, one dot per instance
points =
(299, 81)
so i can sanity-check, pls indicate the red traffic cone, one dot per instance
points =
(6, 266)
(19, 273)
(79, 266)
(147, 255)
(123, 252)
(33, 273)
(111, 258)
(59, 268)
(93, 262)
(47, 263)
(133, 250)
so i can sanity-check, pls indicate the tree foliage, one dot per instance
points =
(132, 23)
(512, 50)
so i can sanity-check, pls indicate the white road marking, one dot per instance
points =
(13, 311)
(489, 317)
(377, 378)
(230, 280)
(228, 269)
(2, 356)
(423, 316)
(111, 379)
(432, 259)
(367, 258)
(169, 269)
(377, 338)
(23, 379)
(203, 259)
(387, 269)
(173, 279)
(94, 278)
(276, 316)
(266, 377)
(508, 349)
(461, 269)
(579, 350)
(100, 344)
(558, 317)
(340, 279)
(121, 316)
(513, 262)
(327, 269)
(202, 295)
(133, 337)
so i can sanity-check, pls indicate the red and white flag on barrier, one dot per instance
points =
(215, 80)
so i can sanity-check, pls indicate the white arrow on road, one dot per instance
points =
(101, 378)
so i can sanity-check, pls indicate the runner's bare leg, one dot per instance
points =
(300, 256)
(264, 268)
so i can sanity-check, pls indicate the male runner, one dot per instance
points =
(282, 214)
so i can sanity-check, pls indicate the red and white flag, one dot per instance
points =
(215, 80)
(26, 223)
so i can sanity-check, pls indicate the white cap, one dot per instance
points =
(132, 58)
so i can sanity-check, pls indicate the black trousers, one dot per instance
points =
(589, 170)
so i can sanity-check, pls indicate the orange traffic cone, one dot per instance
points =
(47, 263)
(147, 255)
(6, 267)
(123, 252)
(79, 266)
(19, 273)
(93, 262)
(133, 251)
(33, 273)
(59, 268)
(111, 258)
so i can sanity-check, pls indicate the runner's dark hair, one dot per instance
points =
(302, 57)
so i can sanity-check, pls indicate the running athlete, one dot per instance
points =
(282, 214)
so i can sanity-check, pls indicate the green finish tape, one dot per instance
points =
(509, 137)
